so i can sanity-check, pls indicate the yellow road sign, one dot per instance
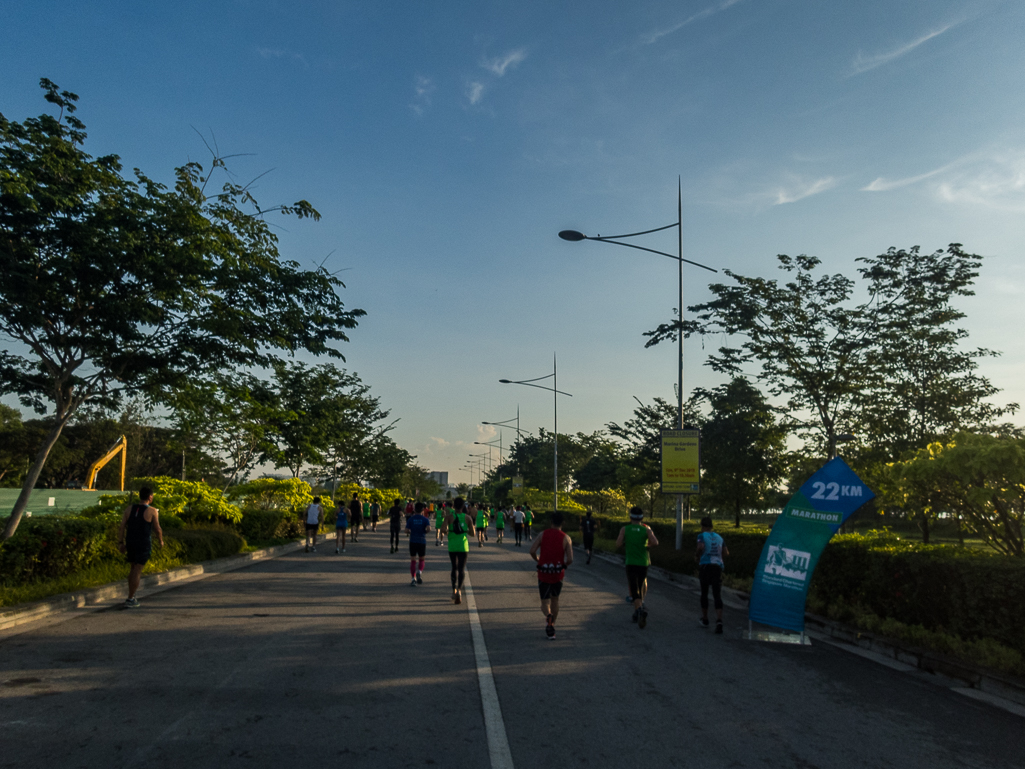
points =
(681, 465)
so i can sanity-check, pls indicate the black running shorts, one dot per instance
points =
(549, 590)
(417, 549)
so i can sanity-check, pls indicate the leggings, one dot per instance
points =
(458, 568)
(393, 539)
(711, 576)
(519, 532)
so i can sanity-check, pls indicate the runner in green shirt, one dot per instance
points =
(528, 518)
(481, 523)
(636, 537)
(439, 522)
(499, 516)
(459, 528)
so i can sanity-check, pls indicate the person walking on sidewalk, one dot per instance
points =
(518, 524)
(355, 517)
(710, 553)
(499, 525)
(553, 552)
(395, 525)
(439, 522)
(588, 526)
(314, 517)
(417, 525)
(375, 514)
(459, 529)
(480, 516)
(636, 537)
(135, 539)
(341, 524)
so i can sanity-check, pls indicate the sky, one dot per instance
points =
(447, 143)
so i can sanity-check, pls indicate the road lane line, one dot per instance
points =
(494, 724)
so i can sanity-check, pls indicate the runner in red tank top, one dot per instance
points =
(553, 551)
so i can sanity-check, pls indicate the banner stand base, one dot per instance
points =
(773, 636)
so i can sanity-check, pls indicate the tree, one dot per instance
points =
(929, 387)
(114, 287)
(979, 478)
(13, 460)
(742, 448)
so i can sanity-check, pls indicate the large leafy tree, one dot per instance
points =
(743, 449)
(114, 286)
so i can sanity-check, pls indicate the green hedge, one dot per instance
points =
(50, 546)
(264, 525)
(942, 588)
(205, 544)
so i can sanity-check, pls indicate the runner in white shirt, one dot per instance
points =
(314, 516)
(518, 519)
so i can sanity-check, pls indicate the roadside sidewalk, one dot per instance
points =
(971, 680)
(23, 617)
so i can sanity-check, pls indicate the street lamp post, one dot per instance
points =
(490, 444)
(556, 392)
(573, 235)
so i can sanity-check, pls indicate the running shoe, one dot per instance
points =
(313, 549)
(459, 598)
(131, 603)
(703, 621)
(419, 578)
(718, 628)
(642, 618)
(549, 627)
(412, 582)
(636, 614)
(343, 549)
(336, 551)
(629, 599)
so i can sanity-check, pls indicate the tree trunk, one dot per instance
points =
(736, 512)
(32, 477)
(925, 531)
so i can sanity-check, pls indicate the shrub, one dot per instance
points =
(206, 543)
(190, 500)
(264, 525)
(50, 546)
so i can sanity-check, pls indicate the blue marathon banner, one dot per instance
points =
(798, 538)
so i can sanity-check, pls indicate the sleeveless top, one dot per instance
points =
(550, 556)
(137, 529)
(636, 542)
(458, 534)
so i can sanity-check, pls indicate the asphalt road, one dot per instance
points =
(323, 660)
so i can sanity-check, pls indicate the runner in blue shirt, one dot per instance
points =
(341, 524)
(417, 525)
(710, 552)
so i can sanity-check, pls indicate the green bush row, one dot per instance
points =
(50, 546)
(207, 543)
(265, 525)
(965, 593)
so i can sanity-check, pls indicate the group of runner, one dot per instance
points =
(457, 522)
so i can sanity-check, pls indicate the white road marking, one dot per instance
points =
(494, 724)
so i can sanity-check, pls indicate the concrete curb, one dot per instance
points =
(103, 596)
(971, 676)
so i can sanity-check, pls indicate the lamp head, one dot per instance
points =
(503, 381)
(572, 235)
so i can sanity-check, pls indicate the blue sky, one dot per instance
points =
(446, 144)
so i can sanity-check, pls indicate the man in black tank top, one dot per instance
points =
(135, 539)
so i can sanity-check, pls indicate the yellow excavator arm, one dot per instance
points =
(120, 447)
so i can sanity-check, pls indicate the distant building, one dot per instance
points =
(439, 477)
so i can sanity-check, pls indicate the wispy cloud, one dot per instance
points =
(989, 178)
(475, 92)
(863, 63)
(658, 34)
(499, 65)
(882, 184)
(422, 91)
(799, 190)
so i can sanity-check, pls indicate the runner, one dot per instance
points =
(341, 524)
(553, 551)
(588, 526)
(395, 516)
(355, 517)
(636, 536)
(375, 515)
(135, 539)
(459, 528)
(314, 517)
(710, 552)
(417, 525)
(499, 526)
(481, 522)
(366, 515)
(439, 522)
(528, 519)
(518, 524)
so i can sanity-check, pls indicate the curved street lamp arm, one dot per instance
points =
(653, 251)
(539, 387)
(635, 234)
